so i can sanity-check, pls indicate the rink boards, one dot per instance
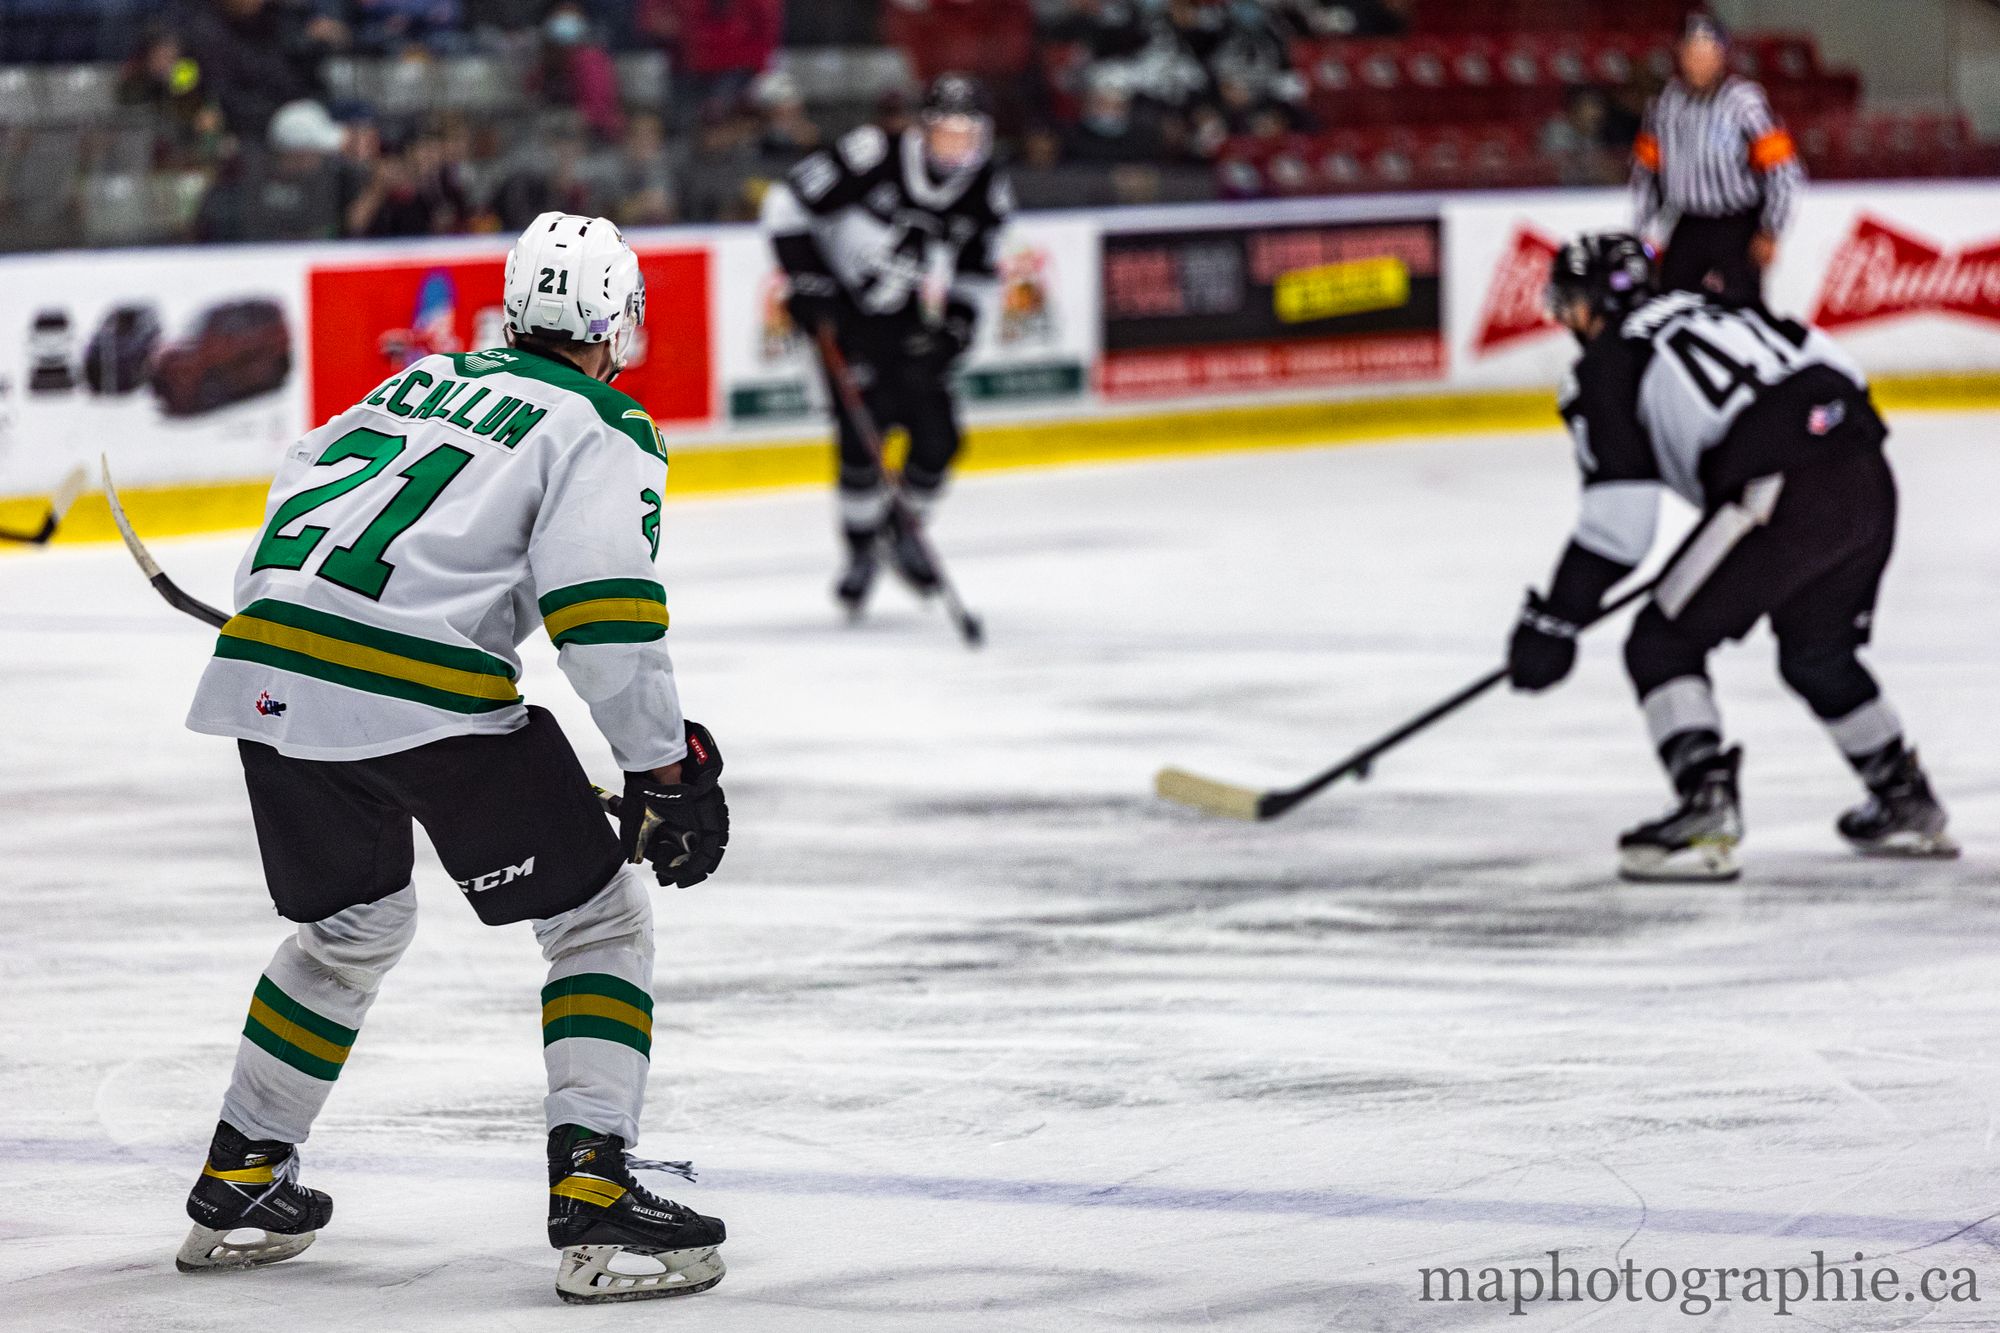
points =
(1135, 333)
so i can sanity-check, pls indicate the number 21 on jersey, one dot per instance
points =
(359, 566)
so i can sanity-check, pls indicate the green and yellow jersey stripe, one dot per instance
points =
(605, 611)
(346, 652)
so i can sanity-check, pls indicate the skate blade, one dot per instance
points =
(1910, 845)
(207, 1250)
(1703, 863)
(585, 1275)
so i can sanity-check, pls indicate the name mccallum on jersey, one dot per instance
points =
(414, 394)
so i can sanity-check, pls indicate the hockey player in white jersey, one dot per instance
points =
(409, 545)
(857, 228)
(1767, 427)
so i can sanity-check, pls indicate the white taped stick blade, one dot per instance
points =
(1216, 798)
(66, 494)
(207, 1250)
(597, 1274)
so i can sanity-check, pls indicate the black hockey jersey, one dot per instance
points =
(1701, 398)
(868, 215)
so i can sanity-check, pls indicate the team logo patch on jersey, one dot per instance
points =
(267, 706)
(1822, 420)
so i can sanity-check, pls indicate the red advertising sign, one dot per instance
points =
(1880, 272)
(367, 322)
(1517, 304)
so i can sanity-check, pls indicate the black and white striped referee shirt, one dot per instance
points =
(1712, 154)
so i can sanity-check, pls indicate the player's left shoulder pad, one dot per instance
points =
(623, 417)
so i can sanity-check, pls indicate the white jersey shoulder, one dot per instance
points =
(411, 543)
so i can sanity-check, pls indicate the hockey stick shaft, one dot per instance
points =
(1277, 803)
(66, 493)
(166, 587)
(863, 421)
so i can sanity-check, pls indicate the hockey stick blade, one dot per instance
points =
(72, 485)
(163, 585)
(1207, 795)
(1221, 798)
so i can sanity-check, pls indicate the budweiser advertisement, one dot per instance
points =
(1883, 272)
(1498, 254)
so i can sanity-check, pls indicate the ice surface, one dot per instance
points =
(971, 1032)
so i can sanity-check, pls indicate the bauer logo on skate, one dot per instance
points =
(1516, 304)
(1880, 272)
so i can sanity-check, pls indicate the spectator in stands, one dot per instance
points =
(717, 46)
(537, 177)
(1581, 141)
(788, 132)
(160, 76)
(287, 189)
(1114, 126)
(725, 163)
(576, 69)
(1347, 18)
(636, 186)
(415, 190)
(259, 55)
(385, 27)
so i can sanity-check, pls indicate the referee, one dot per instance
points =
(1714, 173)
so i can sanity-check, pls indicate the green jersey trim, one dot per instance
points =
(617, 410)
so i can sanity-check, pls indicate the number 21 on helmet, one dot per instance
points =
(574, 279)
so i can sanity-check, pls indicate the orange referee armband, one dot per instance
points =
(1646, 149)
(1773, 150)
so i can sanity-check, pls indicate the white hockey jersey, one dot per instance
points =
(411, 543)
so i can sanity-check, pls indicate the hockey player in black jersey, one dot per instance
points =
(1767, 427)
(857, 228)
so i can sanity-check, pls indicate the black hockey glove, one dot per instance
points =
(938, 348)
(682, 828)
(1543, 648)
(814, 302)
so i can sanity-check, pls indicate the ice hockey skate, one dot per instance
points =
(1902, 816)
(1697, 840)
(858, 579)
(249, 1186)
(620, 1241)
(909, 554)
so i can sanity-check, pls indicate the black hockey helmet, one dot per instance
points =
(957, 122)
(1612, 271)
(955, 95)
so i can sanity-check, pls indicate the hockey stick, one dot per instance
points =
(65, 495)
(166, 587)
(191, 605)
(969, 626)
(1247, 803)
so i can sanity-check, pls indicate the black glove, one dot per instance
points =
(682, 828)
(1543, 648)
(937, 348)
(814, 302)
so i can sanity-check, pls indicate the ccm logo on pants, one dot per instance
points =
(493, 879)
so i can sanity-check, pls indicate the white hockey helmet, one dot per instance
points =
(574, 279)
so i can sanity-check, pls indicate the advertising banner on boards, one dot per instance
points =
(1229, 309)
